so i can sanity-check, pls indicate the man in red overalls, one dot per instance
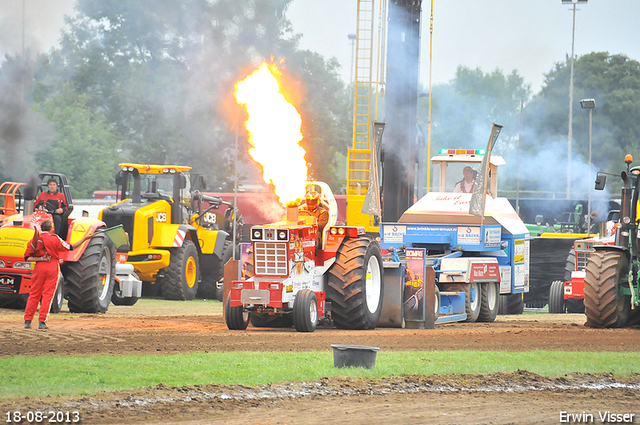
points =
(56, 199)
(44, 280)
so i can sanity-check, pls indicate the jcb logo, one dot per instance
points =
(210, 218)
(161, 217)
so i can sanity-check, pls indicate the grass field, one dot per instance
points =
(26, 376)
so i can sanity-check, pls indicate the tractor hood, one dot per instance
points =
(453, 208)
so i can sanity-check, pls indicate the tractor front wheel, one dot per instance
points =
(355, 284)
(556, 297)
(91, 279)
(179, 280)
(604, 306)
(305, 311)
(237, 319)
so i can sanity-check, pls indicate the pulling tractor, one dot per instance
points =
(301, 276)
(176, 235)
(88, 274)
(478, 257)
(567, 296)
(611, 283)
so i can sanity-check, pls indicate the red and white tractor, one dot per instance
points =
(567, 296)
(301, 276)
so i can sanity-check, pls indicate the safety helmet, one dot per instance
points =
(312, 199)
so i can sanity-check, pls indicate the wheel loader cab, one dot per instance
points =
(63, 187)
(145, 184)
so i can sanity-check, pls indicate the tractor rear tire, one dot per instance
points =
(570, 266)
(237, 319)
(180, 278)
(58, 296)
(604, 306)
(305, 311)
(355, 287)
(91, 279)
(489, 301)
(212, 270)
(556, 298)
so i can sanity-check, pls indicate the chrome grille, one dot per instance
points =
(271, 258)
(581, 260)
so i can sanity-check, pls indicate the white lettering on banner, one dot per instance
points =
(485, 271)
(469, 235)
(394, 233)
(431, 229)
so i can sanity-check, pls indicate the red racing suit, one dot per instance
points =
(44, 281)
(57, 198)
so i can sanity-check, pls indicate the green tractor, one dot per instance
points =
(611, 281)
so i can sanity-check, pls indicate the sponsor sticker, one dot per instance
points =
(394, 233)
(469, 235)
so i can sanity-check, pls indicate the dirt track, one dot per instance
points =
(154, 326)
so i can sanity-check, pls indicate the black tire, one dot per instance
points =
(356, 302)
(511, 304)
(118, 299)
(151, 290)
(471, 308)
(438, 303)
(489, 301)
(604, 306)
(90, 280)
(271, 321)
(570, 265)
(237, 319)
(58, 297)
(305, 311)
(574, 305)
(179, 280)
(556, 297)
(212, 270)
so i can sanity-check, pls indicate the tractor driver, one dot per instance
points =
(313, 207)
(56, 199)
(468, 183)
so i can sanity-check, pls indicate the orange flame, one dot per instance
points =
(274, 132)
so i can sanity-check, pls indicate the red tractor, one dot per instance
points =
(568, 296)
(300, 276)
(88, 274)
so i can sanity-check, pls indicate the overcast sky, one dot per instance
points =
(526, 35)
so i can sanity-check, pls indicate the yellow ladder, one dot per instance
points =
(359, 157)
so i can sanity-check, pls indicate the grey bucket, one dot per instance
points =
(354, 355)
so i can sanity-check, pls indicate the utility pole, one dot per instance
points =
(570, 135)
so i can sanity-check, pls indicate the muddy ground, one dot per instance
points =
(163, 327)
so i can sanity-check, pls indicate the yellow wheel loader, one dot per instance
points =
(177, 239)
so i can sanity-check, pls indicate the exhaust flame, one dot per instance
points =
(274, 132)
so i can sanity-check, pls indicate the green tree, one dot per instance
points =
(614, 82)
(163, 73)
(83, 147)
(463, 110)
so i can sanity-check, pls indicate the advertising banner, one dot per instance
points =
(414, 300)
